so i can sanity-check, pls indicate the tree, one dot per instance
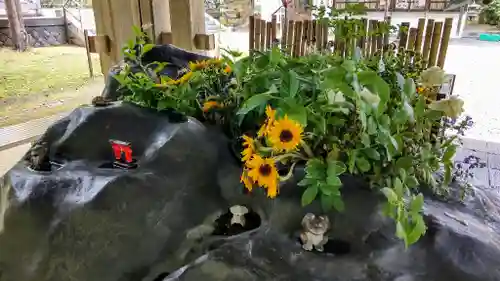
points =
(16, 25)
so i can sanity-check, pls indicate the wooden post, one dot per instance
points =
(420, 35)
(257, 36)
(319, 34)
(403, 34)
(324, 36)
(290, 36)
(274, 30)
(428, 39)
(298, 39)
(386, 34)
(305, 38)
(262, 43)
(251, 34)
(16, 25)
(448, 22)
(161, 21)
(362, 40)
(187, 20)
(284, 33)
(373, 37)
(269, 35)
(436, 36)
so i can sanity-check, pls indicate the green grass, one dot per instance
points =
(44, 70)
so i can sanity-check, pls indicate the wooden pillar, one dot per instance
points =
(161, 21)
(16, 25)
(115, 20)
(187, 20)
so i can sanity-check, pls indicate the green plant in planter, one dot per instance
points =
(203, 89)
(338, 117)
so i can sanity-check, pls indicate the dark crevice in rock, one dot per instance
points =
(223, 225)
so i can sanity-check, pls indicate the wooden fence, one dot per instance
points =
(429, 39)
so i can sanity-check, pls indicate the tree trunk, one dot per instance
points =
(16, 24)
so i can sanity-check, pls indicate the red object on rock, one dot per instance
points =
(122, 149)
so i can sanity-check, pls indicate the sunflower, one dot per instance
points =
(263, 172)
(198, 65)
(211, 104)
(184, 78)
(285, 135)
(246, 180)
(266, 127)
(227, 69)
(249, 148)
(420, 90)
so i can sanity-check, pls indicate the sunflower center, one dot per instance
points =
(265, 170)
(286, 136)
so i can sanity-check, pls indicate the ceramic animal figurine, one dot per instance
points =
(238, 213)
(313, 232)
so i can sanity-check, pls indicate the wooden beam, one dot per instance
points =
(187, 21)
(161, 21)
(16, 26)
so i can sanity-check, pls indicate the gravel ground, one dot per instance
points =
(476, 65)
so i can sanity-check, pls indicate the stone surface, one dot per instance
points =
(39, 36)
(86, 221)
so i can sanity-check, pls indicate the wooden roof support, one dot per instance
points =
(188, 25)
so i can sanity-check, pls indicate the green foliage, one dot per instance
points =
(358, 121)
(491, 12)
(360, 117)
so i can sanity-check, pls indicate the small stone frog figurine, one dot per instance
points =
(238, 213)
(38, 156)
(99, 101)
(313, 232)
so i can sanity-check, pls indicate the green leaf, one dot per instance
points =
(326, 202)
(400, 232)
(409, 88)
(371, 126)
(316, 169)
(398, 187)
(146, 48)
(375, 83)
(305, 182)
(349, 65)
(372, 153)
(404, 163)
(418, 230)
(338, 203)
(401, 81)
(298, 113)
(417, 203)
(333, 181)
(409, 111)
(411, 181)
(449, 153)
(275, 56)
(335, 168)
(391, 196)
(363, 164)
(294, 83)
(256, 101)
(309, 195)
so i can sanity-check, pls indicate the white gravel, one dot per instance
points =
(477, 66)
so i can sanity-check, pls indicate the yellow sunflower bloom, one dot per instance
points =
(285, 135)
(198, 65)
(266, 127)
(246, 180)
(263, 172)
(209, 105)
(184, 78)
(249, 148)
(420, 90)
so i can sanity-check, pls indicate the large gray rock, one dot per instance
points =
(88, 222)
